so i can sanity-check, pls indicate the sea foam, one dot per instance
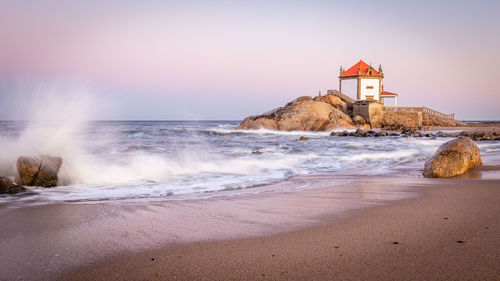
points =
(173, 158)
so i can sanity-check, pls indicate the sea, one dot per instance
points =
(105, 161)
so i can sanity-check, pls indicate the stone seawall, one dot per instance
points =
(408, 119)
(430, 120)
(378, 116)
(372, 112)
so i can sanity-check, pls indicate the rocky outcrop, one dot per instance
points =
(304, 113)
(339, 119)
(345, 99)
(453, 158)
(361, 122)
(409, 132)
(7, 186)
(481, 136)
(38, 170)
(258, 122)
(333, 101)
(316, 114)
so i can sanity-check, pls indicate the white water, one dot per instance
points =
(180, 158)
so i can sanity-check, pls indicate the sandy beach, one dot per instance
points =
(326, 227)
(451, 232)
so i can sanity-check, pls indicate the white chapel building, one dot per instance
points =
(363, 82)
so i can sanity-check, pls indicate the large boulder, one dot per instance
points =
(334, 101)
(347, 100)
(301, 99)
(361, 123)
(303, 113)
(258, 122)
(7, 186)
(38, 170)
(453, 158)
(339, 119)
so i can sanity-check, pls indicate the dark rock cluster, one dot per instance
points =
(7, 186)
(406, 132)
(481, 136)
(32, 171)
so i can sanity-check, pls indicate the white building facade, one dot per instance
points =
(361, 82)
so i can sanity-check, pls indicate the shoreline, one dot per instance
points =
(96, 241)
(41, 242)
(450, 231)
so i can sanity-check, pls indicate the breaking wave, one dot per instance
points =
(153, 159)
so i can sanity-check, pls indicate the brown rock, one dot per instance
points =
(307, 115)
(440, 134)
(382, 133)
(359, 120)
(334, 101)
(360, 133)
(453, 158)
(303, 98)
(302, 138)
(339, 119)
(319, 98)
(361, 123)
(7, 186)
(258, 122)
(38, 170)
(301, 114)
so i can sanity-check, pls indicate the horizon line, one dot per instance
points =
(196, 120)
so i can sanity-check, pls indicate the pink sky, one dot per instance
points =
(229, 59)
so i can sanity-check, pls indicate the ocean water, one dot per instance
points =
(109, 160)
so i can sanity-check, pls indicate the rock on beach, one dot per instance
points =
(453, 158)
(7, 186)
(38, 170)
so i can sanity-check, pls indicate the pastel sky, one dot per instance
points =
(224, 60)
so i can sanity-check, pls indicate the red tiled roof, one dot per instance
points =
(353, 71)
(384, 93)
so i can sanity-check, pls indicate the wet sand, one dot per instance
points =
(42, 242)
(451, 232)
(308, 228)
